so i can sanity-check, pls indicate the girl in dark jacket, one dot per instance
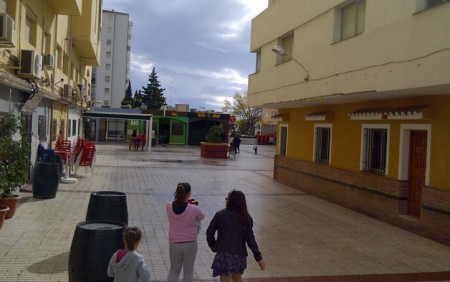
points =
(234, 227)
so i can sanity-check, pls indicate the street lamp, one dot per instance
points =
(280, 51)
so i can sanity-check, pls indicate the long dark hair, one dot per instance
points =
(131, 235)
(236, 202)
(180, 193)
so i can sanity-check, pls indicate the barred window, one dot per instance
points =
(375, 150)
(322, 144)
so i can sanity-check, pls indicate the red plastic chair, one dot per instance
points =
(87, 158)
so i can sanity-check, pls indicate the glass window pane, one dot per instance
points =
(348, 21)
(361, 17)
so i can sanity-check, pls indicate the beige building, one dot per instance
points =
(362, 88)
(47, 51)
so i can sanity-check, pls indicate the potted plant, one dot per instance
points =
(3, 211)
(14, 162)
(214, 145)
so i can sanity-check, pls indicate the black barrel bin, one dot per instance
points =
(49, 158)
(93, 244)
(108, 205)
(45, 180)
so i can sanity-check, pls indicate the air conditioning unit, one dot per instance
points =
(49, 61)
(30, 64)
(67, 90)
(6, 30)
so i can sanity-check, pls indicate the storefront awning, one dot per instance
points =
(118, 115)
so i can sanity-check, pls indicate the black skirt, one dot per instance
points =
(225, 264)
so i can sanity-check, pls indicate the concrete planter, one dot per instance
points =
(214, 150)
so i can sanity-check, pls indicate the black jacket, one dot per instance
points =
(231, 235)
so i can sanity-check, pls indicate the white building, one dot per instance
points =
(111, 77)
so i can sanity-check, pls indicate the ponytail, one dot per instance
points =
(183, 188)
(131, 236)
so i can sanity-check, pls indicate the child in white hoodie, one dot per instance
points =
(127, 265)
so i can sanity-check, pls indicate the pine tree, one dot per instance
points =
(153, 95)
(137, 99)
(128, 95)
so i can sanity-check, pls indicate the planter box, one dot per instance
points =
(214, 150)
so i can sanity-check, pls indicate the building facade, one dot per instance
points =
(111, 77)
(363, 91)
(48, 49)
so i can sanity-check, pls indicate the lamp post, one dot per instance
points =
(280, 51)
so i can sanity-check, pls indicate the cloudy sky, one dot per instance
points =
(199, 48)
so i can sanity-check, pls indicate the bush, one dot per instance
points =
(14, 156)
(215, 135)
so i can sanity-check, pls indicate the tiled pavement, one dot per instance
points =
(302, 238)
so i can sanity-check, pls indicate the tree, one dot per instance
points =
(153, 95)
(128, 100)
(246, 117)
(137, 99)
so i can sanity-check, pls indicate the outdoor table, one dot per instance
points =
(66, 157)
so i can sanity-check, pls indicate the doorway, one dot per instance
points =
(417, 170)
(283, 139)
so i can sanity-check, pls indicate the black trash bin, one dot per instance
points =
(45, 180)
(53, 158)
(108, 205)
(93, 244)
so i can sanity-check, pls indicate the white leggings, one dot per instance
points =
(182, 255)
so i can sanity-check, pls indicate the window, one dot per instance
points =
(26, 131)
(110, 18)
(287, 44)
(108, 41)
(107, 78)
(109, 29)
(352, 19)
(432, 3)
(53, 129)
(258, 61)
(42, 128)
(62, 130)
(74, 127)
(106, 103)
(107, 91)
(47, 42)
(3, 6)
(322, 143)
(27, 30)
(108, 55)
(65, 64)
(375, 149)
(283, 139)
(178, 128)
(108, 67)
(59, 60)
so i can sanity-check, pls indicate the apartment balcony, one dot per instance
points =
(67, 7)
(85, 33)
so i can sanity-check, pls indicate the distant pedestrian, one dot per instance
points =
(255, 148)
(127, 265)
(234, 227)
(237, 144)
(184, 223)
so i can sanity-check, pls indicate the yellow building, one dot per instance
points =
(363, 91)
(47, 51)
